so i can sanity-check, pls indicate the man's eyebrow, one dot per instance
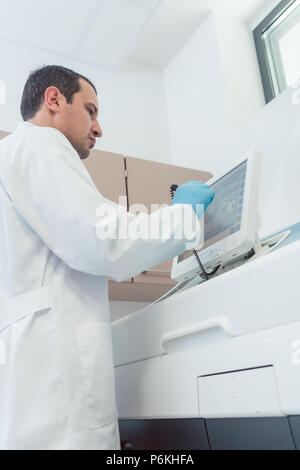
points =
(95, 107)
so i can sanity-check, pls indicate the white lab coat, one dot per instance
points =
(57, 380)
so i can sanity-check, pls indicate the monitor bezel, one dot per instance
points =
(235, 244)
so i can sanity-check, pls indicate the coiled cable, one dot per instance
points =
(203, 273)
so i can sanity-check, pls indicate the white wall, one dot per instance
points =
(245, 95)
(202, 135)
(132, 103)
(260, 14)
(196, 100)
(275, 131)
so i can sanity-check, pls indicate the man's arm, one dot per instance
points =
(52, 190)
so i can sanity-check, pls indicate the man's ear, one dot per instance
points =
(52, 99)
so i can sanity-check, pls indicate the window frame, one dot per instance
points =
(262, 54)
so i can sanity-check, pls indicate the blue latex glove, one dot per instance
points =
(194, 193)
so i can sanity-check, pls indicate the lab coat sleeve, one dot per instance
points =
(52, 190)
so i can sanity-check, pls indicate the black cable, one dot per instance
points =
(204, 274)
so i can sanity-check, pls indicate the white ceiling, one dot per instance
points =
(100, 32)
(174, 21)
(107, 32)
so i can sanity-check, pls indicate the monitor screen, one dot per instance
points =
(224, 216)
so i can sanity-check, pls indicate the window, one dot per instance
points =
(277, 41)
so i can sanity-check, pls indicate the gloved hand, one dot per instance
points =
(194, 193)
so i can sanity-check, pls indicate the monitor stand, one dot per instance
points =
(260, 249)
(270, 244)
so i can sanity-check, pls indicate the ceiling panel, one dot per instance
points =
(106, 32)
(114, 31)
(176, 20)
(147, 3)
(54, 25)
(171, 26)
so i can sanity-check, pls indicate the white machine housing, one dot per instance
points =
(226, 348)
(236, 244)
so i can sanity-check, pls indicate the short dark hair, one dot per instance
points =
(39, 80)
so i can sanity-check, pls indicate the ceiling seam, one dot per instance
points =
(91, 20)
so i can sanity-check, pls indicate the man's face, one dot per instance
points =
(78, 120)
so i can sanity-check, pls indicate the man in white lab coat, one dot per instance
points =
(56, 379)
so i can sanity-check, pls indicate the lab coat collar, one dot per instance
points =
(26, 124)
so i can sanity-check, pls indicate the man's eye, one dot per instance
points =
(91, 112)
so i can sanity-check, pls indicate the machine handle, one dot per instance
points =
(219, 322)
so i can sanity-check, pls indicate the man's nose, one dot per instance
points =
(97, 131)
